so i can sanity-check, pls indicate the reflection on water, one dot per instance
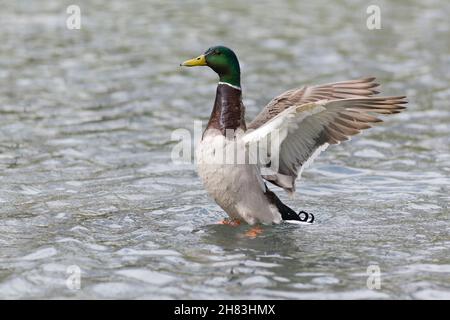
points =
(85, 137)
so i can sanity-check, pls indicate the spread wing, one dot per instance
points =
(303, 131)
(332, 91)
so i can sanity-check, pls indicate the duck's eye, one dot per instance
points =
(217, 52)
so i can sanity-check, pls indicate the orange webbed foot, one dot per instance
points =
(230, 222)
(254, 232)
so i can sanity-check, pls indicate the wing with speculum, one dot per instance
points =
(307, 121)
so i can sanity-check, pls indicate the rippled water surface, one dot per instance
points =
(86, 118)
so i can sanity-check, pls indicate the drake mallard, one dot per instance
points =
(304, 122)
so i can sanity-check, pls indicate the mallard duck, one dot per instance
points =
(304, 122)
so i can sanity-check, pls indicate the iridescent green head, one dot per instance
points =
(223, 61)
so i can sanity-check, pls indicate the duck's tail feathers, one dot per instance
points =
(286, 212)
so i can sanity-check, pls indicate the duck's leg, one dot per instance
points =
(230, 222)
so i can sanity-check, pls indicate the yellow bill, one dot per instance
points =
(199, 61)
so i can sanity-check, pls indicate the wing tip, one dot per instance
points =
(369, 79)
